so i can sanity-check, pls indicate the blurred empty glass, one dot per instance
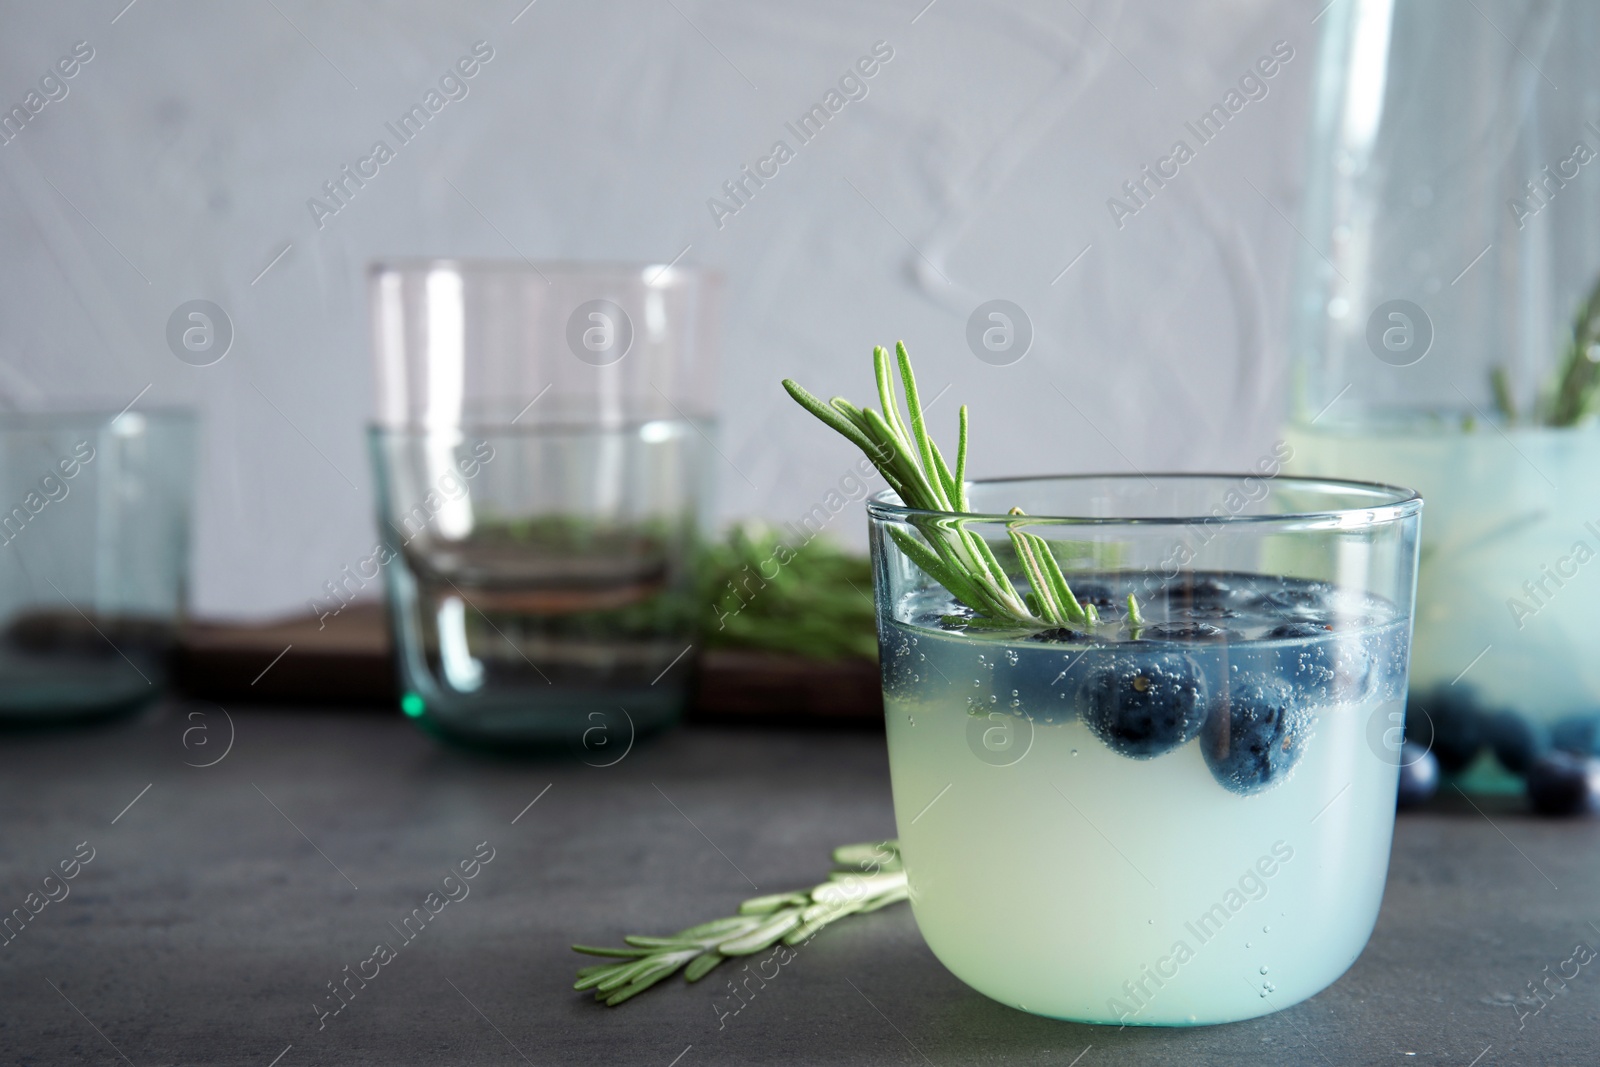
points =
(540, 445)
(94, 551)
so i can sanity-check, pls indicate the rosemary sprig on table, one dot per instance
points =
(813, 601)
(865, 878)
(950, 553)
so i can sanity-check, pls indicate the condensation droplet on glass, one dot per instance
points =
(1074, 752)
(1263, 968)
(1266, 929)
(1247, 944)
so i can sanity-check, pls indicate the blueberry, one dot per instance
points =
(1298, 629)
(1098, 594)
(1209, 611)
(1256, 733)
(1038, 681)
(1419, 776)
(1145, 704)
(1193, 590)
(1060, 634)
(1300, 596)
(1562, 783)
(1327, 666)
(1447, 721)
(1517, 741)
(1579, 734)
(1185, 631)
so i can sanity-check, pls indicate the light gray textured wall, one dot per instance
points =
(180, 162)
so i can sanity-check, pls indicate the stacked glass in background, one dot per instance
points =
(541, 447)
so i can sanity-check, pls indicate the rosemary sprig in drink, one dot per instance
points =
(1574, 394)
(865, 878)
(1577, 392)
(950, 553)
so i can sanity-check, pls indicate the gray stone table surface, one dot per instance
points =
(220, 904)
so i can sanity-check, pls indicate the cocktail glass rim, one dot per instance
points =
(1390, 503)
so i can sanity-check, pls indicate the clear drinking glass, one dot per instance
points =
(94, 553)
(541, 449)
(1179, 821)
(1453, 237)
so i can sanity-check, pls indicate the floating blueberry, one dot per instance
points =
(1193, 590)
(1185, 631)
(1300, 595)
(1096, 593)
(1562, 783)
(1256, 733)
(1299, 628)
(1517, 741)
(1579, 734)
(1419, 776)
(1447, 721)
(1039, 681)
(1210, 611)
(1060, 634)
(1146, 704)
(1328, 667)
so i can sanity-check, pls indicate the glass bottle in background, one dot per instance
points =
(541, 447)
(1452, 225)
(94, 556)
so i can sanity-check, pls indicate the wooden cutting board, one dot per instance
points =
(346, 661)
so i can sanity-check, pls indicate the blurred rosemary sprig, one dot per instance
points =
(1575, 393)
(950, 553)
(814, 601)
(865, 878)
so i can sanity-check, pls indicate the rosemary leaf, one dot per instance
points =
(702, 966)
(867, 877)
(961, 461)
(762, 936)
(919, 428)
(949, 577)
(1076, 612)
(954, 555)
(886, 393)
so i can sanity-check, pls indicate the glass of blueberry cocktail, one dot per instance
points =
(1171, 813)
(1143, 730)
